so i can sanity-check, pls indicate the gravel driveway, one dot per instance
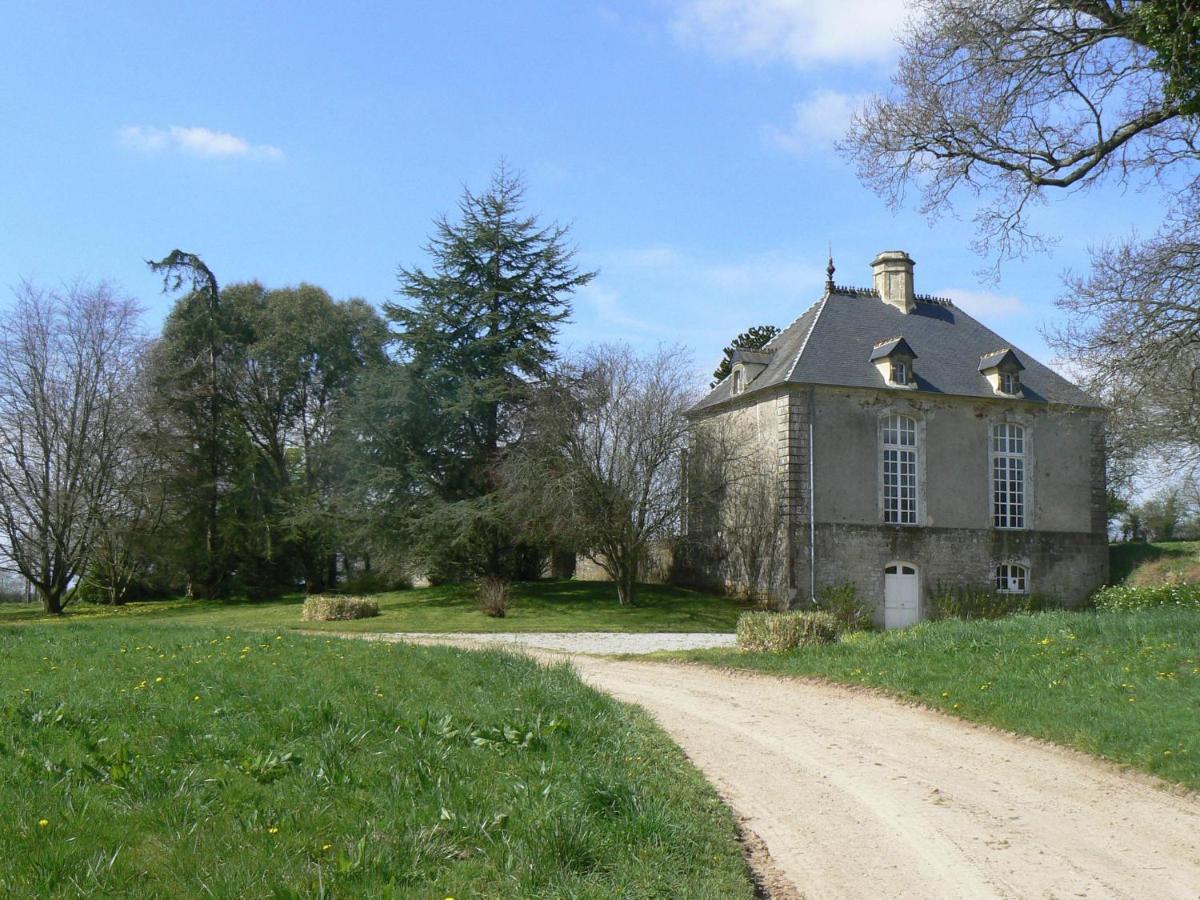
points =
(577, 642)
(858, 795)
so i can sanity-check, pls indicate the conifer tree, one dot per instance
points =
(475, 331)
(752, 339)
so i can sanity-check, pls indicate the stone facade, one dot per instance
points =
(823, 428)
(1063, 545)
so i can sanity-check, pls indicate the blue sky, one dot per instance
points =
(689, 143)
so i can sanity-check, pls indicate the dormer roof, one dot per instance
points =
(753, 357)
(896, 346)
(1003, 358)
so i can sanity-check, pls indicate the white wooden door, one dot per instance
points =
(900, 606)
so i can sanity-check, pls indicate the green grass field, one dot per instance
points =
(1122, 686)
(139, 758)
(536, 606)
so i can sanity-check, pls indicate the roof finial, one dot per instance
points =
(829, 270)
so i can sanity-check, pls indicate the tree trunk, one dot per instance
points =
(626, 583)
(51, 602)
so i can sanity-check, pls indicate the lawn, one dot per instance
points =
(536, 606)
(140, 758)
(1122, 686)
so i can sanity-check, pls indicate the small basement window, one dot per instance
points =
(1012, 578)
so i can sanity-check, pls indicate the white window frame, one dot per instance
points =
(900, 479)
(1009, 475)
(899, 372)
(1011, 578)
(1010, 383)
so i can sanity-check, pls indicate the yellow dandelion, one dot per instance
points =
(197, 697)
(158, 680)
(42, 823)
(326, 846)
(272, 830)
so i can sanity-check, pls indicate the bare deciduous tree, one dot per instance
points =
(1008, 102)
(1009, 99)
(600, 462)
(67, 364)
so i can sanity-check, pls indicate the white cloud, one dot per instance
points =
(194, 140)
(985, 304)
(607, 304)
(805, 33)
(817, 121)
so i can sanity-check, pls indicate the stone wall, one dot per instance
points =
(657, 569)
(1064, 566)
(1064, 544)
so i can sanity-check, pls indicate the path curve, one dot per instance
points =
(858, 795)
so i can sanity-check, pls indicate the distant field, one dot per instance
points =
(1122, 686)
(536, 606)
(142, 759)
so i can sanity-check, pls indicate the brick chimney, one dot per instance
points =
(892, 278)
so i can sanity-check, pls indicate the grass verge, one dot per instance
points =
(534, 606)
(145, 760)
(1122, 686)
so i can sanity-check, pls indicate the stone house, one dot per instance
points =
(904, 447)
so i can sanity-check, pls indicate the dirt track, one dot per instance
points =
(856, 795)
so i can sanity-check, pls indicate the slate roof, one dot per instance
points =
(832, 341)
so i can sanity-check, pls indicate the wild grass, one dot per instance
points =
(532, 606)
(141, 759)
(1126, 559)
(1122, 686)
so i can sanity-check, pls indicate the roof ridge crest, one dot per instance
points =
(804, 343)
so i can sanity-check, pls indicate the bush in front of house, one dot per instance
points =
(841, 601)
(332, 608)
(980, 602)
(1128, 598)
(783, 631)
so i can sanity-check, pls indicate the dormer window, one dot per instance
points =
(893, 359)
(747, 365)
(1002, 369)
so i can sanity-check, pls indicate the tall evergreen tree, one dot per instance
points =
(474, 331)
(752, 339)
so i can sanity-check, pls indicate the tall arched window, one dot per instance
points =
(1008, 475)
(899, 470)
(737, 381)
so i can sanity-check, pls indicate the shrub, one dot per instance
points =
(784, 631)
(841, 601)
(331, 608)
(1127, 598)
(493, 594)
(979, 602)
